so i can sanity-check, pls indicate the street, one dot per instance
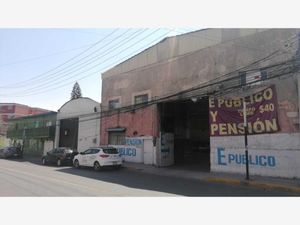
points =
(24, 178)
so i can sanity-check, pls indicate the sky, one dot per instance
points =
(38, 67)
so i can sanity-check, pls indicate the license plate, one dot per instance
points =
(115, 163)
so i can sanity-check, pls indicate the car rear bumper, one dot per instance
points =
(112, 163)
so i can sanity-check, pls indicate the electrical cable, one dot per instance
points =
(60, 65)
(96, 72)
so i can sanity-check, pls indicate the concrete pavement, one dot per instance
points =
(268, 183)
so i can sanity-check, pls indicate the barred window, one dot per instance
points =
(140, 99)
(113, 104)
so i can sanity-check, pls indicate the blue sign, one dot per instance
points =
(135, 142)
(127, 151)
(255, 160)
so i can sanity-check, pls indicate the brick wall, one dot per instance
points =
(143, 121)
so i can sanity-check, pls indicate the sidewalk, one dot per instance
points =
(270, 183)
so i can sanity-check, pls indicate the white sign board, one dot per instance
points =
(277, 163)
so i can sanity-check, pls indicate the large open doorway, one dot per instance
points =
(189, 122)
(68, 135)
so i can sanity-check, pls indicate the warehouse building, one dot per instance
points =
(180, 102)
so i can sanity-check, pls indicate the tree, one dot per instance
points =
(76, 92)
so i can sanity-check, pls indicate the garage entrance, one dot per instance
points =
(68, 134)
(189, 122)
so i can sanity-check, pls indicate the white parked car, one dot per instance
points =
(98, 157)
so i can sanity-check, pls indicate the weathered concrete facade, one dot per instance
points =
(193, 67)
(186, 61)
(84, 131)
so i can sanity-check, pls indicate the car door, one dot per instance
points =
(83, 157)
(91, 157)
(50, 155)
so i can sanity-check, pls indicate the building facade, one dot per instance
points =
(35, 133)
(78, 124)
(11, 111)
(172, 92)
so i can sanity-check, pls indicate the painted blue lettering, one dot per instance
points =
(261, 160)
(256, 160)
(271, 161)
(244, 159)
(251, 160)
(221, 156)
(230, 158)
(238, 159)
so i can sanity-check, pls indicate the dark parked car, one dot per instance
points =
(11, 152)
(59, 156)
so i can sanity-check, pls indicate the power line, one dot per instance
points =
(108, 51)
(96, 72)
(130, 108)
(60, 65)
(250, 64)
(43, 56)
(87, 62)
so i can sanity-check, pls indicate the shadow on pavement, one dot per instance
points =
(172, 185)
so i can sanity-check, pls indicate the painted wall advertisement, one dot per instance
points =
(276, 163)
(226, 115)
(132, 151)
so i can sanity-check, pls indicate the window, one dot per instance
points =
(113, 104)
(95, 151)
(140, 99)
(49, 124)
(110, 150)
(89, 151)
(116, 137)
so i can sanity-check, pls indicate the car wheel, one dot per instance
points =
(97, 166)
(44, 161)
(58, 162)
(76, 164)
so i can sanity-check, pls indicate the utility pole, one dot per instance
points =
(246, 136)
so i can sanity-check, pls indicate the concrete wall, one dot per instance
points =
(170, 75)
(170, 67)
(138, 150)
(271, 154)
(48, 145)
(178, 45)
(89, 121)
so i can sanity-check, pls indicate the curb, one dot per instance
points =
(236, 182)
(262, 185)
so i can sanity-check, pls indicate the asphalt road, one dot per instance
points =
(28, 178)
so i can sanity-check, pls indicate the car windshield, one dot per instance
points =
(110, 150)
